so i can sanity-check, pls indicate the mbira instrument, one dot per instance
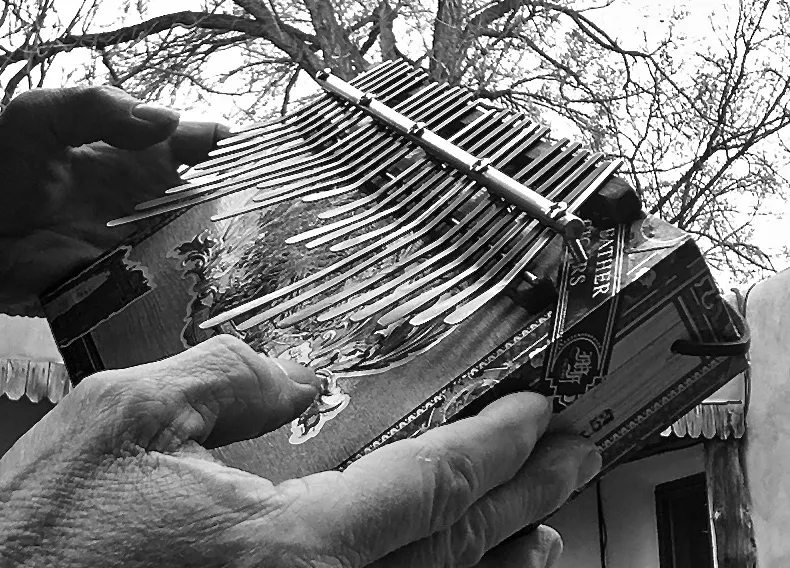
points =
(424, 252)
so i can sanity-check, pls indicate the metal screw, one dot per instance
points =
(417, 128)
(557, 210)
(480, 165)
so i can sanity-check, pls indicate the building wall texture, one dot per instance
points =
(768, 419)
(629, 513)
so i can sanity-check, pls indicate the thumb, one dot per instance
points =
(540, 548)
(192, 140)
(81, 115)
(216, 393)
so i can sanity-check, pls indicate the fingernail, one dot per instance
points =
(589, 467)
(222, 131)
(298, 373)
(155, 113)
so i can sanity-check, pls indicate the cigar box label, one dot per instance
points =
(655, 273)
(577, 362)
(638, 277)
(103, 290)
(527, 358)
(195, 260)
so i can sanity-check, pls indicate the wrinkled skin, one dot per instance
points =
(71, 160)
(118, 473)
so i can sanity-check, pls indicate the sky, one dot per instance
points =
(651, 19)
(636, 20)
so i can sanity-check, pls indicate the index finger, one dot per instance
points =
(414, 488)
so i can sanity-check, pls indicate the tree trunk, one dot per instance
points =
(340, 54)
(729, 503)
(445, 56)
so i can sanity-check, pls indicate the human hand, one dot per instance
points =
(71, 160)
(118, 475)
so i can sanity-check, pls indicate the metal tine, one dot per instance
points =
(254, 166)
(312, 132)
(369, 80)
(340, 279)
(558, 159)
(169, 208)
(528, 236)
(254, 146)
(179, 204)
(366, 261)
(311, 135)
(242, 145)
(356, 125)
(576, 174)
(568, 167)
(485, 213)
(347, 261)
(362, 255)
(383, 155)
(414, 304)
(270, 150)
(485, 209)
(372, 234)
(351, 260)
(414, 173)
(422, 109)
(505, 229)
(592, 182)
(377, 212)
(364, 175)
(142, 215)
(535, 235)
(384, 151)
(240, 182)
(426, 165)
(220, 159)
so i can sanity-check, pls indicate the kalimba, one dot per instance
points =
(424, 252)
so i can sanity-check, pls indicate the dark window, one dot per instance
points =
(684, 539)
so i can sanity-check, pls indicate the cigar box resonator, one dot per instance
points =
(424, 253)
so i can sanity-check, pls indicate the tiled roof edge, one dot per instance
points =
(710, 420)
(36, 380)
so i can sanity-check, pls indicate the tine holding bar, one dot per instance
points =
(435, 218)
(599, 176)
(555, 215)
(530, 229)
(434, 221)
(384, 153)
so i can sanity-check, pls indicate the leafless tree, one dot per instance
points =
(701, 128)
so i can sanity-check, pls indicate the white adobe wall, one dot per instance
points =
(629, 511)
(27, 338)
(768, 419)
